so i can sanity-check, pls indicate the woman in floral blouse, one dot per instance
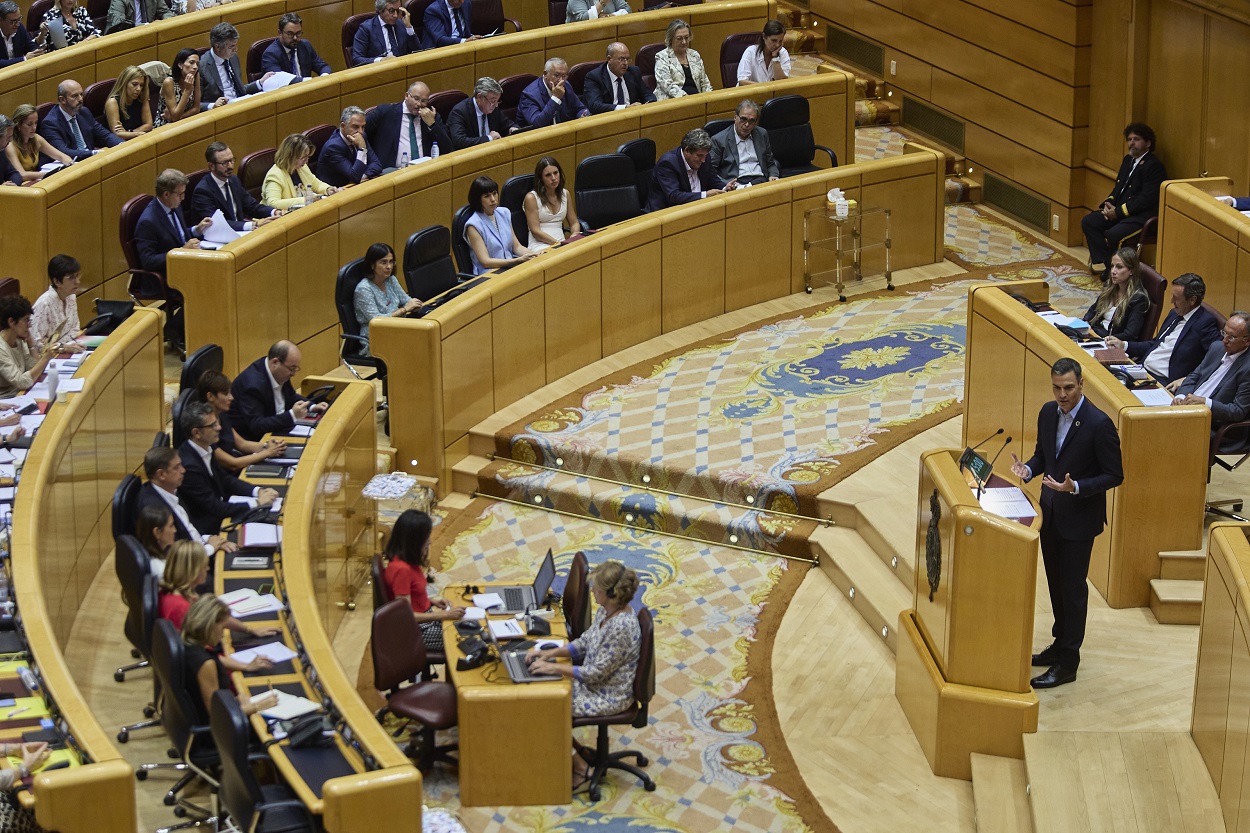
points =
(603, 682)
(74, 20)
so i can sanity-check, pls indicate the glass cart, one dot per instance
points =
(844, 237)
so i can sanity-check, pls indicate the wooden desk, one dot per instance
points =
(1160, 504)
(1199, 234)
(516, 740)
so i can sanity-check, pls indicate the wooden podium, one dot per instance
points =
(963, 661)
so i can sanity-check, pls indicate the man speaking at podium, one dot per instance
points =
(1078, 456)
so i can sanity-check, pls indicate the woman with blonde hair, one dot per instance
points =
(1120, 311)
(72, 19)
(186, 568)
(607, 653)
(679, 69)
(126, 111)
(281, 188)
(28, 149)
(204, 668)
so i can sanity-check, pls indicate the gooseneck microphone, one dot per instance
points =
(990, 437)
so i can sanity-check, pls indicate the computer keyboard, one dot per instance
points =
(513, 598)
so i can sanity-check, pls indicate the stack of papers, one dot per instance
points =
(1061, 320)
(250, 502)
(506, 629)
(474, 613)
(1007, 502)
(1153, 396)
(275, 652)
(260, 535)
(487, 600)
(248, 602)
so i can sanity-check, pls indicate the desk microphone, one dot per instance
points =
(990, 437)
(981, 486)
(971, 451)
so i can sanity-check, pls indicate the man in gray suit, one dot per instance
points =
(1222, 381)
(121, 14)
(221, 76)
(744, 152)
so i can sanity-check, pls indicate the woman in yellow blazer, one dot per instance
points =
(281, 188)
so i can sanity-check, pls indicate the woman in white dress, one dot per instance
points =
(547, 207)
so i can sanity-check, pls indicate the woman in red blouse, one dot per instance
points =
(407, 575)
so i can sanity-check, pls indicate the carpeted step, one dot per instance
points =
(961, 189)
(874, 590)
(804, 42)
(870, 111)
(1000, 793)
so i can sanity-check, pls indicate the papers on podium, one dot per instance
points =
(1007, 502)
(1154, 396)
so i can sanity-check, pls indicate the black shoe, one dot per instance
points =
(1056, 675)
(1046, 657)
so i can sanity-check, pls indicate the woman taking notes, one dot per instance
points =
(1120, 310)
(679, 69)
(488, 232)
(19, 370)
(290, 183)
(204, 667)
(379, 294)
(547, 206)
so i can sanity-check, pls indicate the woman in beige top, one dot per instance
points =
(280, 188)
(57, 307)
(28, 147)
(19, 370)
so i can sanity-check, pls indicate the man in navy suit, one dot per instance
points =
(206, 488)
(16, 44)
(264, 398)
(1133, 200)
(71, 129)
(165, 472)
(221, 189)
(1222, 382)
(615, 85)
(346, 158)
(406, 131)
(8, 174)
(221, 75)
(1078, 458)
(1187, 332)
(447, 23)
(681, 175)
(387, 35)
(161, 226)
(478, 119)
(291, 53)
(550, 99)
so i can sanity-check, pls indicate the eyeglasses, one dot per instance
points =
(1227, 336)
(212, 425)
(746, 120)
(291, 368)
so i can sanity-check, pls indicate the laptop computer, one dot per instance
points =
(518, 598)
(520, 672)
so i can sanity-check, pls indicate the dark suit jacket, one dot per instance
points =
(370, 43)
(1138, 195)
(382, 133)
(275, 59)
(337, 164)
(465, 131)
(149, 497)
(252, 413)
(1230, 402)
(8, 173)
(1091, 455)
(154, 236)
(671, 186)
(724, 155)
(210, 82)
(55, 128)
(538, 109)
(599, 91)
(1200, 330)
(436, 22)
(1130, 325)
(121, 14)
(22, 43)
(207, 198)
(204, 493)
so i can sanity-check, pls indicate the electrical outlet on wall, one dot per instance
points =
(893, 68)
(1054, 222)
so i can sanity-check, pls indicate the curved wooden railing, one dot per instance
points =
(1199, 234)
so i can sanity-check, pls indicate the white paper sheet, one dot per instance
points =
(219, 230)
(275, 652)
(1153, 396)
(277, 81)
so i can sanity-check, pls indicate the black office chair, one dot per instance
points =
(428, 267)
(460, 246)
(575, 601)
(606, 189)
(126, 505)
(788, 122)
(180, 404)
(381, 592)
(718, 125)
(641, 152)
(601, 758)
(192, 740)
(512, 197)
(141, 594)
(350, 351)
(208, 357)
(399, 657)
(248, 804)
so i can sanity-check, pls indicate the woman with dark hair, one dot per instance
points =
(232, 451)
(57, 308)
(488, 232)
(205, 670)
(606, 653)
(180, 91)
(126, 111)
(547, 206)
(156, 531)
(406, 576)
(1120, 311)
(768, 60)
(379, 293)
(18, 368)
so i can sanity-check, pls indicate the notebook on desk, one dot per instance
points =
(520, 598)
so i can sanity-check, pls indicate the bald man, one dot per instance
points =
(265, 401)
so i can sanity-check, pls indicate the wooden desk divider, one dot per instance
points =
(1160, 504)
(62, 534)
(964, 649)
(1199, 234)
(631, 282)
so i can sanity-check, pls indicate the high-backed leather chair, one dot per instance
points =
(254, 54)
(635, 715)
(131, 563)
(645, 61)
(1220, 318)
(641, 152)
(381, 592)
(34, 16)
(460, 246)
(1156, 287)
(575, 601)
(512, 197)
(348, 34)
(10, 286)
(144, 285)
(606, 188)
(787, 119)
(487, 18)
(203, 359)
(399, 660)
(513, 86)
(717, 125)
(95, 95)
(249, 805)
(577, 75)
(319, 135)
(557, 11)
(126, 505)
(416, 14)
(253, 168)
(444, 100)
(44, 109)
(344, 301)
(99, 11)
(428, 267)
(731, 49)
(181, 401)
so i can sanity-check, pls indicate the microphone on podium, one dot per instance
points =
(966, 458)
(981, 481)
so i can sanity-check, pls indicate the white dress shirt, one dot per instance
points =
(180, 513)
(748, 161)
(279, 398)
(205, 454)
(695, 184)
(1213, 381)
(1159, 358)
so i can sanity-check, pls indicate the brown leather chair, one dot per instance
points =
(253, 168)
(513, 86)
(416, 14)
(319, 135)
(443, 101)
(1220, 318)
(487, 18)
(731, 50)
(1156, 287)
(557, 12)
(10, 286)
(99, 11)
(44, 109)
(254, 53)
(576, 599)
(645, 61)
(95, 95)
(636, 715)
(34, 16)
(578, 72)
(349, 34)
(193, 179)
(399, 658)
(144, 285)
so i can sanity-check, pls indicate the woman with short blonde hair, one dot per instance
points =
(290, 163)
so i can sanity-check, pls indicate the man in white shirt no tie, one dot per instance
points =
(1222, 381)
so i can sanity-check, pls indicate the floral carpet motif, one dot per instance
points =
(975, 239)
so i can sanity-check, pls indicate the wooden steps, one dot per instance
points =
(858, 571)
(1000, 792)
(1176, 602)
(1184, 565)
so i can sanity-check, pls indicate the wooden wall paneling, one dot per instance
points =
(322, 24)
(518, 335)
(909, 209)
(468, 376)
(118, 183)
(1005, 376)
(631, 268)
(1226, 128)
(1215, 652)
(573, 296)
(69, 229)
(751, 227)
(24, 233)
(308, 282)
(1232, 774)
(1174, 107)
(1206, 252)
(368, 218)
(693, 248)
(597, 137)
(1020, 164)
